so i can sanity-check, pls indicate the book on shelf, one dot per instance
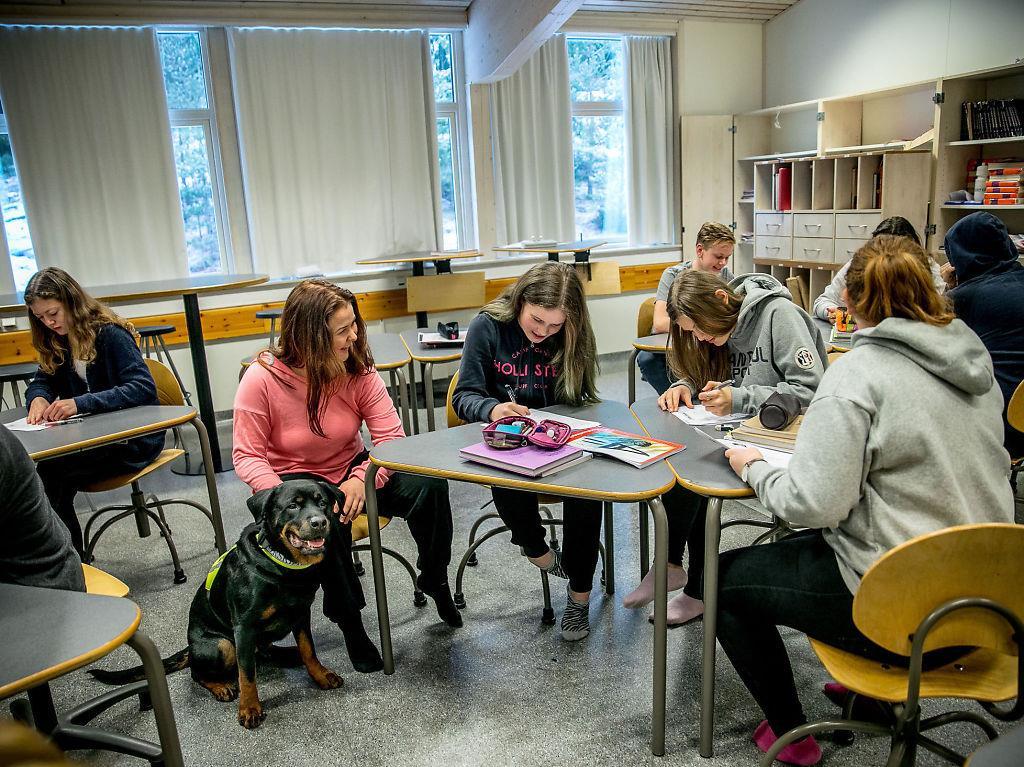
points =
(755, 433)
(527, 461)
(992, 118)
(784, 184)
(635, 449)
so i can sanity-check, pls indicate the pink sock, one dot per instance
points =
(803, 753)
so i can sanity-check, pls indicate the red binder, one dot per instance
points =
(784, 195)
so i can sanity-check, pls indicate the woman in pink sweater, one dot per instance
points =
(298, 415)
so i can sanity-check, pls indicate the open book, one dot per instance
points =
(635, 449)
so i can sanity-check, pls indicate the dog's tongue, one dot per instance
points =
(315, 543)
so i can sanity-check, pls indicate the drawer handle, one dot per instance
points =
(808, 226)
(812, 250)
(773, 247)
(858, 226)
(775, 225)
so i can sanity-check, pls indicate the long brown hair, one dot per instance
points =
(83, 315)
(305, 342)
(891, 277)
(693, 294)
(557, 286)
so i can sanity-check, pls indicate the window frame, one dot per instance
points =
(4, 130)
(207, 120)
(456, 111)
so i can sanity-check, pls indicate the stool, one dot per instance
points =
(273, 315)
(153, 343)
(12, 374)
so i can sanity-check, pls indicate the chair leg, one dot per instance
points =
(16, 393)
(473, 561)
(90, 709)
(419, 599)
(553, 543)
(799, 733)
(609, 548)
(170, 364)
(459, 597)
(940, 750)
(179, 573)
(547, 616)
(960, 716)
(358, 564)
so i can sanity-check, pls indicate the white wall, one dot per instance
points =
(821, 48)
(719, 67)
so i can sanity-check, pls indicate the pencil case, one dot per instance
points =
(518, 431)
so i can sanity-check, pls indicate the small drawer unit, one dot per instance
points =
(856, 226)
(813, 225)
(815, 249)
(773, 224)
(778, 248)
(845, 248)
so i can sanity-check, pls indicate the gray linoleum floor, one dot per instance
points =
(502, 690)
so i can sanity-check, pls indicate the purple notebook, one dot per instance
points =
(529, 461)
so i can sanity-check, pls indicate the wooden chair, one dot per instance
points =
(145, 509)
(645, 318)
(958, 587)
(469, 559)
(1015, 417)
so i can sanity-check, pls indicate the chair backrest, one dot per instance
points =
(103, 583)
(1015, 410)
(167, 390)
(645, 318)
(449, 411)
(969, 561)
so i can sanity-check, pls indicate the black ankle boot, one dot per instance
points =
(361, 651)
(442, 596)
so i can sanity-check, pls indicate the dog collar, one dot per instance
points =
(279, 558)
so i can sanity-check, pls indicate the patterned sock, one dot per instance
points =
(575, 619)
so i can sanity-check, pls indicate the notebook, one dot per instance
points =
(528, 461)
(634, 449)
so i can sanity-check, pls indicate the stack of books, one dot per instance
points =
(845, 327)
(527, 461)
(1003, 184)
(994, 118)
(753, 432)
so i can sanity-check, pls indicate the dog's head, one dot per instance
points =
(294, 517)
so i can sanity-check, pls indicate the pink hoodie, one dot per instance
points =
(272, 435)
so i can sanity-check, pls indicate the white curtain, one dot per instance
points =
(532, 134)
(88, 122)
(339, 145)
(648, 65)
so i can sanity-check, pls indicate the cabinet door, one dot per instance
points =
(707, 174)
(906, 181)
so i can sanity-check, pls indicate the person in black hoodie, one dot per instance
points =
(989, 297)
(533, 346)
(89, 362)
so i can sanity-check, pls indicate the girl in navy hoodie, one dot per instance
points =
(89, 362)
(533, 347)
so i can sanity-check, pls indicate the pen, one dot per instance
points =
(511, 394)
(65, 421)
(722, 385)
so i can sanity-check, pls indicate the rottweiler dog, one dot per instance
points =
(255, 594)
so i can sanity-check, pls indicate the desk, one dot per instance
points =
(436, 454)
(189, 289)
(390, 354)
(48, 633)
(104, 428)
(702, 468)
(656, 344)
(442, 265)
(426, 356)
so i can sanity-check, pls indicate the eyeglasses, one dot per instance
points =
(449, 330)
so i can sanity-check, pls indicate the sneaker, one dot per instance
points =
(803, 753)
(575, 620)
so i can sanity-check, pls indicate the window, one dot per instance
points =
(19, 239)
(450, 106)
(598, 136)
(196, 153)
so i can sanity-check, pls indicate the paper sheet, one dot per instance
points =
(775, 458)
(699, 416)
(22, 424)
(574, 423)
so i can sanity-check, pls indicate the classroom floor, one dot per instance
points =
(503, 689)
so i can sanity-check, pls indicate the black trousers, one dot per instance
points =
(64, 477)
(424, 504)
(581, 534)
(686, 512)
(794, 582)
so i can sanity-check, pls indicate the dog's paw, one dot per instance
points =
(329, 680)
(250, 717)
(225, 693)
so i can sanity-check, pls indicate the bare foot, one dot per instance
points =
(644, 593)
(683, 609)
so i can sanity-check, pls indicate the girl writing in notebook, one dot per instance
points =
(532, 347)
(749, 332)
(89, 362)
(298, 415)
(898, 476)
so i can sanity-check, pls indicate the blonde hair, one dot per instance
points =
(891, 277)
(84, 316)
(557, 286)
(711, 233)
(694, 294)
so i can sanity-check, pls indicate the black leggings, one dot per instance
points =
(581, 534)
(686, 512)
(795, 583)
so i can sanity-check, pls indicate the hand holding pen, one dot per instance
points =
(716, 397)
(505, 409)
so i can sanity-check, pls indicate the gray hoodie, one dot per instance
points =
(904, 436)
(774, 346)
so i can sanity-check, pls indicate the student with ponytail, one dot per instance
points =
(901, 474)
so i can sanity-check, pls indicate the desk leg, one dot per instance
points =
(660, 625)
(162, 710)
(609, 547)
(194, 325)
(211, 485)
(403, 398)
(631, 373)
(428, 393)
(379, 588)
(645, 540)
(415, 400)
(712, 540)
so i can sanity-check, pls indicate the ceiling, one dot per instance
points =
(734, 10)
